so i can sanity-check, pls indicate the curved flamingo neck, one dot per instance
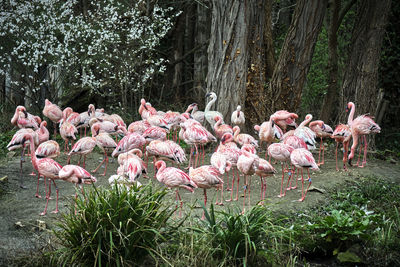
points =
(32, 148)
(352, 111)
(218, 123)
(236, 131)
(306, 121)
(162, 166)
(212, 101)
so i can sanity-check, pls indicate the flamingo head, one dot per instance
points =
(88, 180)
(43, 123)
(257, 128)
(238, 108)
(349, 106)
(211, 94)
(217, 118)
(226, 137)
(159, 164)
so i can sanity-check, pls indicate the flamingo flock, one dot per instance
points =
(158, 135)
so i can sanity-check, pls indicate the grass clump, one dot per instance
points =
(113, 227)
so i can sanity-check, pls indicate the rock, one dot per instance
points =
(313, 188)
(41, 225)
(19, 225)
(348, 257)
(393, 161)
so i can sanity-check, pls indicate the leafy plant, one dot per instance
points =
(113, 227)
(242, 237)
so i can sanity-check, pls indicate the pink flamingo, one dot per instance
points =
(322, 130)
(129, 142)
(304, 133)
(237, 117)
(220, 129)
(138, 126)
(242, 139)
(264, 169)
(83, 146)
(42, 132)
(301, 158)
(284, 119)
(73, 117)
(342, 134)
(206, 177)
(19, 111)
(166, 150)
(174, 178)
(48, 149)
(219, 161)
(231, 151)
(295, 142)
(46, 167)
(77, 176)
(361, 126)
(247, 164)
(53, 112)
(19, 140)
(154, 133)
(132, 165)
(67, 130)
(268, 132)
(25, 119)
(196, 113)
(106, 144)
(146, 110)
(281, 152)
(195, 135)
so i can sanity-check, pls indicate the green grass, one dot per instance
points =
(113, 227)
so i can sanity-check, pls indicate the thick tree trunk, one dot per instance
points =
(330, 104)
(236, 57)
(294, 61)
(202, 34)
(261, 61)
(360, 82)
(227, 57)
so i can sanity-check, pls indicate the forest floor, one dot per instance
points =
(23, 232)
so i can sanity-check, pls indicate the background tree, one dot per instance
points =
(291, 70)
(360, 83)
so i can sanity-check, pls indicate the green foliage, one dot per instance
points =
(243, 238)
(113, 227)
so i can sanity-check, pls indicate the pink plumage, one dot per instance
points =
(138, 126)
(301, 158)
(129, 142)
(242, 139)
(48, 149)
(220, 129)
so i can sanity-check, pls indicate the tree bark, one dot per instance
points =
(331, 100)
(236, 57)
(202, 34)
(294, 61)
(360, 82)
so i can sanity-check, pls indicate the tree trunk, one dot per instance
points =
(261, 61)
(202, 34)
(294, 61)
(329, 107)
(360, 82)
(236, 57)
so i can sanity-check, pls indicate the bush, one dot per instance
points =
(113, 227)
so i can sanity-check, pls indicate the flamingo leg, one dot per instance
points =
(233, 183)
(237, 187)
(291, 172)
(47, 201)
(249, 182)
(101, 163)
(262, 190)
(37, 187)
(309, 183)
(337, 145)
(364, 162)
(319, 153)
(84, 159)
(105, 169)
(21, 182)
(197, 156)
(56, 210)
(181, 203)
(244, 198)
(323, 152)
(283, 177)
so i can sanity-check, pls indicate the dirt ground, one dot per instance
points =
(23, 231)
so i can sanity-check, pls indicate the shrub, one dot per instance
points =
(113, 227)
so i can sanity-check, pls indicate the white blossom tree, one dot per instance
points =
(107, 47)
